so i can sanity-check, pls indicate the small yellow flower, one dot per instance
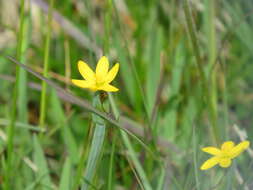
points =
(98, 80)
(224, 155)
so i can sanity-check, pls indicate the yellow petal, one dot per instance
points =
(225, 162)
(112, 73)
(108, 88)
(228, 145)
(82, 83)
(102, 69)
(86, 71)
(210, 163)
(211, 150)
(238, 149)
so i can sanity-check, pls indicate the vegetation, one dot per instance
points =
(185, 82)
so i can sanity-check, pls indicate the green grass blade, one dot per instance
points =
(94, 155)
(40, 161)
(11, 128)
(65, 182)
(161, 180)
(96, 147)
(43, 97)
(152, 58)
(112, 166)
(22, 85)
(21, 125)
(171, 114)
(210, 17)
(195, 150)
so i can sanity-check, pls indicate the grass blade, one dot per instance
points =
(40, 160)
(66, 176)
(43, 97)
(152, 58)
(11, 128)
(96, 147)
(94, 155)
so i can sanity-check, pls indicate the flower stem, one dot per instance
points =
(96, 146)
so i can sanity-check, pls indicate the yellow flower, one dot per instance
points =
(224, 155)
(98, 80)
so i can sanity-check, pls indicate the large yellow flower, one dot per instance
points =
(223, 156)
(98, 80)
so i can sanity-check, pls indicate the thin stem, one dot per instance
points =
(67, 70)
(195, 158)
(110, 176)
(212, 53)
(46, 67)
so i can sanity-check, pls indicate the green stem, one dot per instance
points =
(225, 105)
(195, 159)
(11, 127)
(22, 86)
(80, 168)
(212, 53)
(110, 175)
(46, 66)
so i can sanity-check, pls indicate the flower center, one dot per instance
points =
(99, 82)
(225, 154)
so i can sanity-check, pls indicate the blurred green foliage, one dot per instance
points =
(162, 97)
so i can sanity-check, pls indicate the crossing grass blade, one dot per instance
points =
(163, 96)
(75, 100)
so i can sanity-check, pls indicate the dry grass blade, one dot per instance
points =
(77, 101)
(124, 122)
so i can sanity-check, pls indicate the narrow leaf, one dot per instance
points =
(40, 161)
